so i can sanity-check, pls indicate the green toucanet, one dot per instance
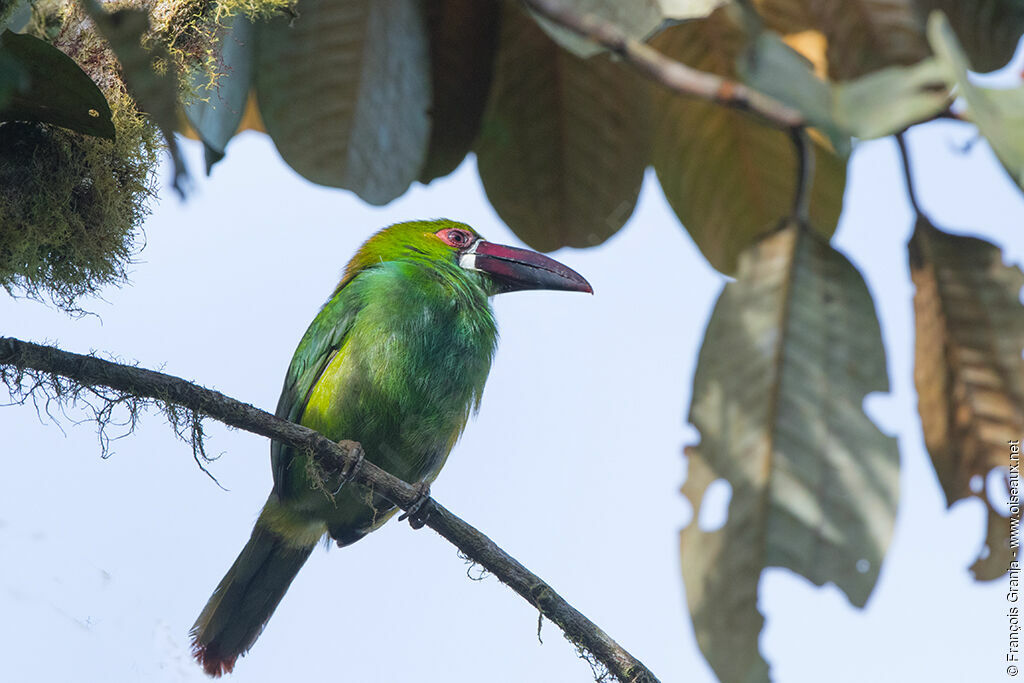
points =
(396, 360)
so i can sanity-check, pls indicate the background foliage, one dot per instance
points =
(372, 96)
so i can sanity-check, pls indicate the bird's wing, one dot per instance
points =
(325, 336)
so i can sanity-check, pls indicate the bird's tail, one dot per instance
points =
(248, 594)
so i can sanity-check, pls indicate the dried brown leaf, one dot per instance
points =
(968, 369)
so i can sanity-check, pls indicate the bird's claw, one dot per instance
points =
(419, 511)
(353, 448)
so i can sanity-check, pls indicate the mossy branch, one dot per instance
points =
(63, 376)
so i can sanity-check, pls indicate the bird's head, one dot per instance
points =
(445, 242)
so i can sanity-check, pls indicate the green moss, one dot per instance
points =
(256, 9)
(191, 30)
(72, 205)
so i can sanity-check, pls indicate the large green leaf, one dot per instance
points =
(968, 370)
(217, 110)
(729, 178)
(43, 84)
(999, 114)
(463, 42)
(776, 69)
(876, 104)
(682, 10)
(564, 141)
(792, 348)
(14, 14)
(344, 92)
(639, 19)
(13, 77)
(888, 100)
(879, 103)
(988, 29)
(863, 35)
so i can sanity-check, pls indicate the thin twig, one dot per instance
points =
(917, 249)
(334, 459)
(908, 174)
(670, 73)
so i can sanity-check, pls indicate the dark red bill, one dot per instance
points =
(516, 269)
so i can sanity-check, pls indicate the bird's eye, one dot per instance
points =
(455, 238)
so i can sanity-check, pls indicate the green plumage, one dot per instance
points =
(396, 360)
(410, 346)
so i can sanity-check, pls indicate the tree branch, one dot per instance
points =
(334, 459)
(670, 73)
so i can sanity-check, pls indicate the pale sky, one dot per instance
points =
(573, 464)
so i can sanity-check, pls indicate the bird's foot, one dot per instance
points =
(419, 511)
(355, 449)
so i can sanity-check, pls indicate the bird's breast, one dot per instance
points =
(403, 385)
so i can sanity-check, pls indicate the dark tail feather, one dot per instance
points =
(246, 597)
